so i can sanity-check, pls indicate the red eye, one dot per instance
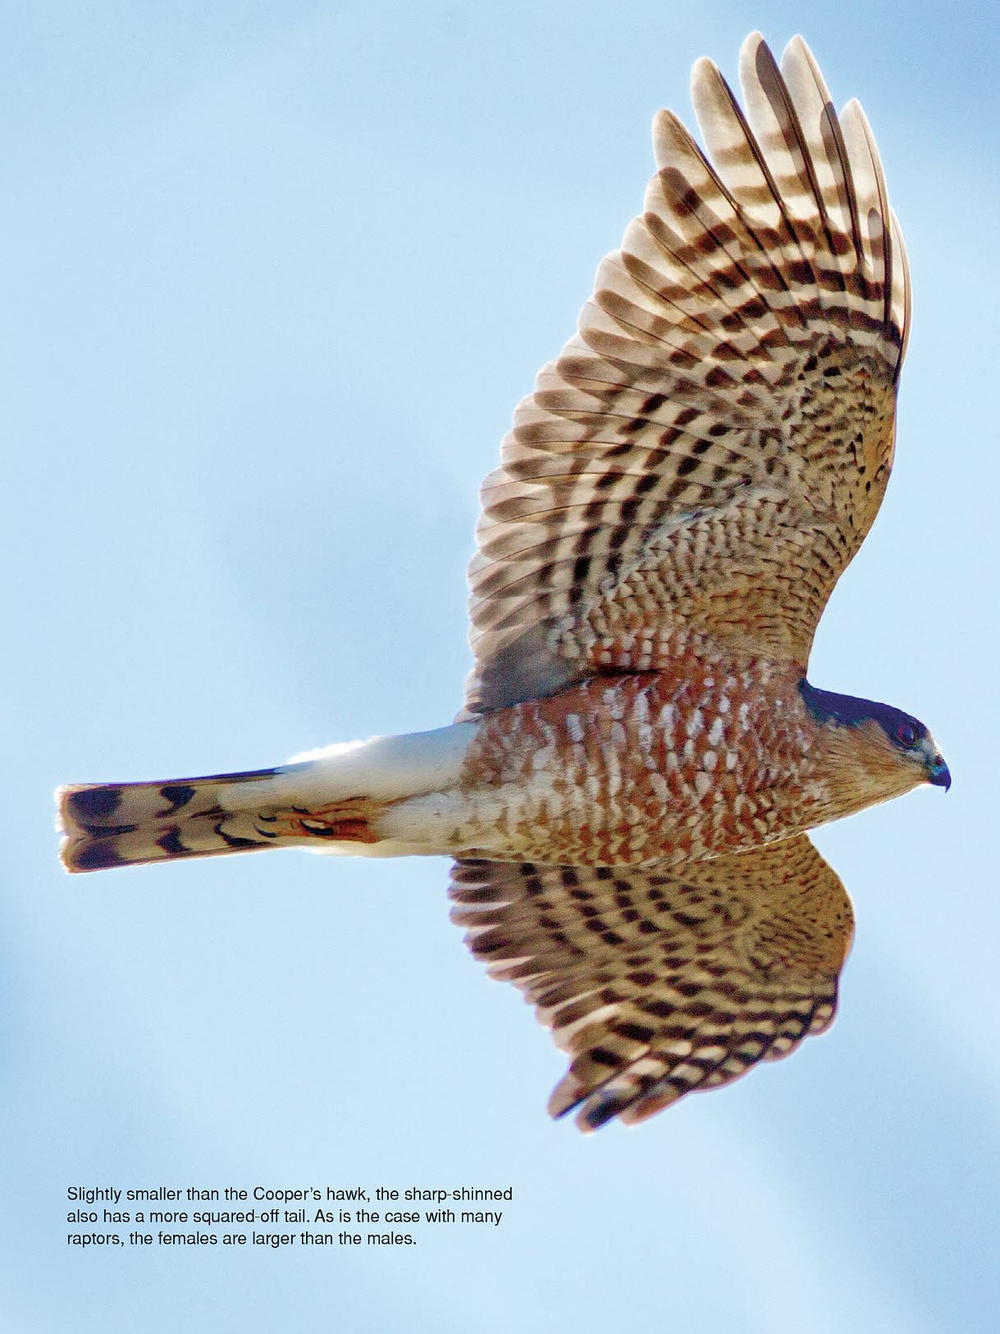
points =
(906, 734)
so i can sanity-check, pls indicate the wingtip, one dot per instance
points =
(563, 1099)
(797, 57)
(703, 67)
(751, 44)
(568, 1096)
(798, 44)
(755, 54)
(594, 1108)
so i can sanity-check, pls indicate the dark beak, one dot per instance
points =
(938, 773)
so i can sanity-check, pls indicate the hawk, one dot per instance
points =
(629, 788)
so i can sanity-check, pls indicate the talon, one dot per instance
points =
(344, 831)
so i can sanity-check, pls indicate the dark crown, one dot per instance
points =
(848, 711)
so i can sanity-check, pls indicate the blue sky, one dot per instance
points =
(276, 275)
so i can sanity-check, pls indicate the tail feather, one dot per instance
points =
(126, 824)
(330, 801)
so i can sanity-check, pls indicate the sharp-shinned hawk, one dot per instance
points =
(628, 790)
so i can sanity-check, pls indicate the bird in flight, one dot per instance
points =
(628, 790)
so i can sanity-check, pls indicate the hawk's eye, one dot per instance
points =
(906, 734)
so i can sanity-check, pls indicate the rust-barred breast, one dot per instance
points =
(664, 766)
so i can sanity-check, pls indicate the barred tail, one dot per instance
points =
(330, 802)
(125, 824)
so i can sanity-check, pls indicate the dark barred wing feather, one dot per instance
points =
(710, 449)
(659, 982)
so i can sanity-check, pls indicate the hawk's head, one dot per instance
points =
(895, 749)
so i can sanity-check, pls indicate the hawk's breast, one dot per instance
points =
(705, 759)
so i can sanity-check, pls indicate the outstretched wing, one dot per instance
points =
(709, 451)
(656, 982)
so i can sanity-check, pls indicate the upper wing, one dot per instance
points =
(659, 982)
(709, 451)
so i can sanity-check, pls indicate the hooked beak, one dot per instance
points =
(938, 773)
